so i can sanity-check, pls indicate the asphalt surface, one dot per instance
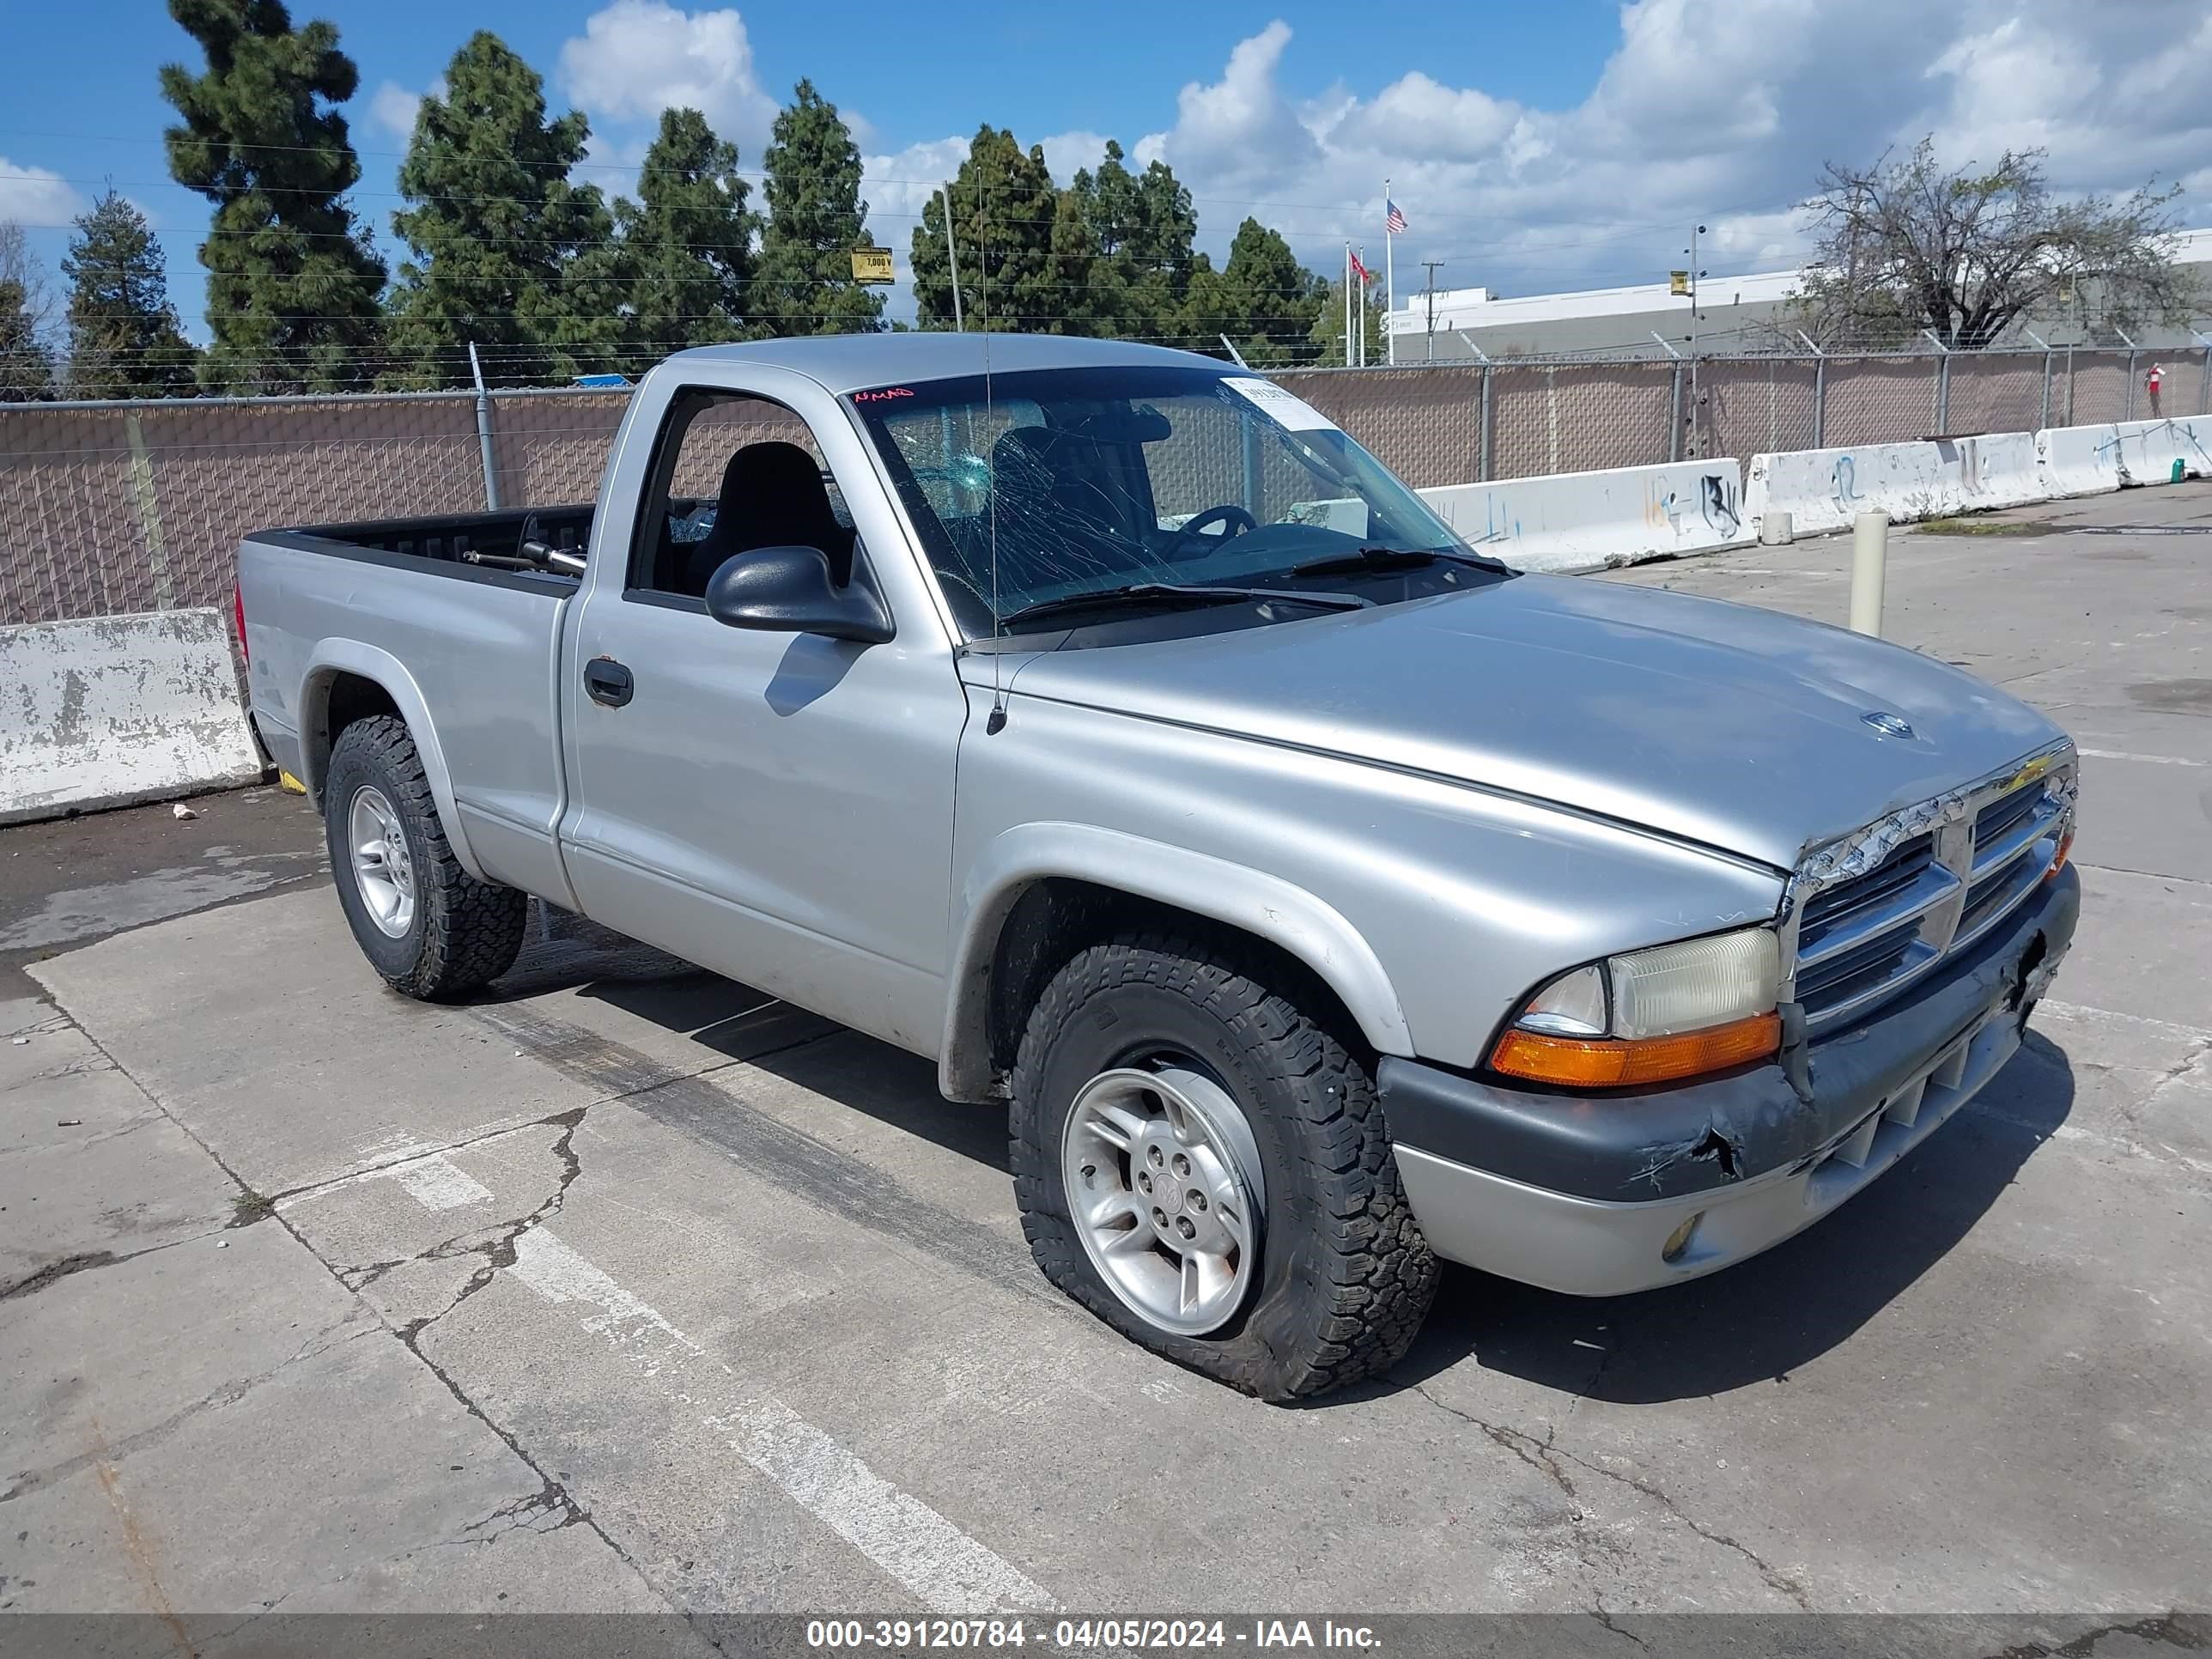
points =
(627, 1288)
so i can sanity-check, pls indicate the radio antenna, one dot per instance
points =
(997, 721)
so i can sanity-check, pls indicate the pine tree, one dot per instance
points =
(686, 242)
(1327, 335)
(804, 282)
(505, 252)
(1005, 211)
(292, 278)
(124, 337)
(1143, 224)
(1263, 300)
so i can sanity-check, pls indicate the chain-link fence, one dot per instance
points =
(121, 507)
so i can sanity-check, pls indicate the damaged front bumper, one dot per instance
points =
(1603, 1195)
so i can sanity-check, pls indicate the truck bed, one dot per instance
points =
(485, 541)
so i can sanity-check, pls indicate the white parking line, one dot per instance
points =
(2076, 1011)
(897, 1531)
(436, 1184)
(2148, 760)
(944, 1568)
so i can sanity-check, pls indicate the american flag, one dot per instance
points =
(1394, 223)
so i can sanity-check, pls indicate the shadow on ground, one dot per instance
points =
(1762, 1319)
(1755, 1323)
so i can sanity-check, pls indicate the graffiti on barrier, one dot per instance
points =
(1718, 491)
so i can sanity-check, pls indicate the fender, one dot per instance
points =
(328, 659)
(1258, 903)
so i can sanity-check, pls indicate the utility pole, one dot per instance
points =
(1429, 351)
(1349, 361)
(1696, 449)
(951, 258)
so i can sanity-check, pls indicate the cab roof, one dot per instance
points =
(852, 362)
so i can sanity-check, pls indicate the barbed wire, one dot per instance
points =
(400, 367)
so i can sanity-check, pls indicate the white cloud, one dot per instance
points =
(35, 197)
(393, 107)
(1067, 153)
(1241, 127)
(896, 186)
(612, 164)
(1712, 111)
(638, 58)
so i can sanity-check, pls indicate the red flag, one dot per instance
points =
(1361, 271)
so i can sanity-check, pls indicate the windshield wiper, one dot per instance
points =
(1179, 596)
(1391, 558)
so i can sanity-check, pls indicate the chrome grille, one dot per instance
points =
(1869, 914)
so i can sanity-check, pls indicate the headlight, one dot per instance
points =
(1653, 1016)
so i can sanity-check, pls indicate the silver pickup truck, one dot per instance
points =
(1321, 897)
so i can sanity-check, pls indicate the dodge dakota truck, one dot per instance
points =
(1319, 897)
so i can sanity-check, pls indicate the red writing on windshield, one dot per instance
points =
(883, 394)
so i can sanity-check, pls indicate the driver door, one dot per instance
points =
(774, 806)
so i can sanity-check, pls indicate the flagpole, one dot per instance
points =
(1361, 302)
(1347, 305)
(1390, 282)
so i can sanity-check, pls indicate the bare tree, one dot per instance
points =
(19, 266)
(25, 309)
(1904, 246)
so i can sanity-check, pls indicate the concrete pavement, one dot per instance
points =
(630, 1288)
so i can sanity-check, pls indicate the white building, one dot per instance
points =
(1746, 313)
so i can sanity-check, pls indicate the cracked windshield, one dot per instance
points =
(1059, 497)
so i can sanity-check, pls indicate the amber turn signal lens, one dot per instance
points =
(2059, 863)
(1623, 1062)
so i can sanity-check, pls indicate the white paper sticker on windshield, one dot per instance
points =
(1291, 412)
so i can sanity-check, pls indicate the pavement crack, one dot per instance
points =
(420, 1154)
(1546, 1457)
(524, 1513)
(79, 1143)
(83, 1262)
(2192, 1631)
(89, 1261)
(1609, 1622)
(262, 1612)
(498, 1249)
(230, 1394)
(1536, 1454)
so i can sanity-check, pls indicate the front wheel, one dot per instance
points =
(1202, 1163)
(430, 928)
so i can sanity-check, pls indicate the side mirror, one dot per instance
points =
(787, 590)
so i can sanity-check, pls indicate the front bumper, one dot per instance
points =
(1584, 1195)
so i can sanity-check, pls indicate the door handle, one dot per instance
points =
(608, 682)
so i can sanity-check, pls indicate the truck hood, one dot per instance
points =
(1740, 728)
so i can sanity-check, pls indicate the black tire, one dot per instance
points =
(1345, 1276)
(465, 933)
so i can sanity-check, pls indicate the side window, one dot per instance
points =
(732, 472)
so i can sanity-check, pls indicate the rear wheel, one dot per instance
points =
(1201, 1161)
(430, 928)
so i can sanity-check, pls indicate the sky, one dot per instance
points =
(1532, 147)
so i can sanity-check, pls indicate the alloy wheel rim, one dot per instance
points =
(383, 868)
(1163, 1178)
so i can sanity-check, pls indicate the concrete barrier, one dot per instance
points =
(2078, 460)
(116, 709)
(1823, 490)
(1566, 521)
(1994, 470)
(2088, 460)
